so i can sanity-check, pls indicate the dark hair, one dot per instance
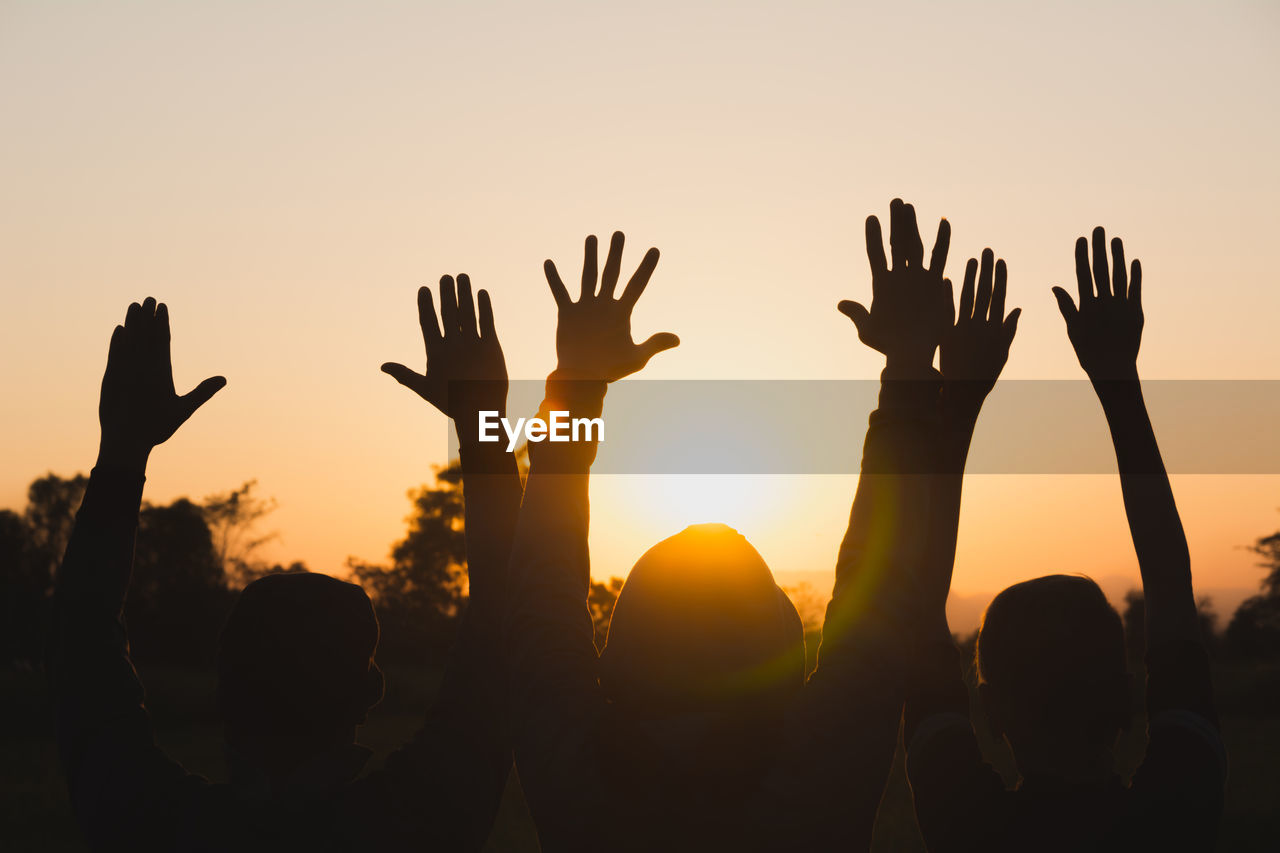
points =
(296, 656)
(701, 624)
(1053, 649)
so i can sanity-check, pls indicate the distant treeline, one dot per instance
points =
(192, 558)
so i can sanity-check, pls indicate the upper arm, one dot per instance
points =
(959, 798)
(1183, 775)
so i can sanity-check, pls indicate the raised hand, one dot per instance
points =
(910, 303)
(138, 407)
(593, 335)
(1106, 328)
(975, 349)
(466, 372)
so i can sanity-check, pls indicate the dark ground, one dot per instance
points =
(34, 814)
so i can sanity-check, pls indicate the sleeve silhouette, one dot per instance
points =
(556, 703)
(958, 796)
(555, 698)
(442, 788)
(961, 802)
(1183, 776)
(841, 739)
(125, 792)
(1181, 780)
(947, 791)
(446, 785)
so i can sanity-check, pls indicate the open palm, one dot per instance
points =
(466, 372)
(593, 335)
(139, 407)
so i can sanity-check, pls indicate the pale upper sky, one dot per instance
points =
(285, 174)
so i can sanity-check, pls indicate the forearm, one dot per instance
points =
(550, 560)
(883, 546)
(1154, 523)
(104, 732)
(936, 690)
(492, 494)
(551, 656)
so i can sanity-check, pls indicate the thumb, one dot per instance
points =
(198, 396)
(1065, 305)
(656, 344)
(406, 377)
(1010, 327)
(855, 311)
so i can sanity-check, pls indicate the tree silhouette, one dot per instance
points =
(600, 599)
(52, 502)
(233, 518)
(24, 592)
(31, 545)
(1135, 624)
(419, 594)
(1254, 630)
(179, 595)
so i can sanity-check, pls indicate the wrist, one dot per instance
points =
(576, 392)
(467, 424)
(119, 454)
(918, 363)
(1117, 389)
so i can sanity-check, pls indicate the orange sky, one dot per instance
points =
(284, 175)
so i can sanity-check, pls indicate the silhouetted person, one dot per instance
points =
(1051, 655)
(696, 729)
(296, 658)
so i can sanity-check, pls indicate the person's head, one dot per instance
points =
(295, 667)
(1052, 675)
(702, 645)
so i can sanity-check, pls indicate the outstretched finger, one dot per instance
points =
(559, 292)
(487, 329)
(640, 278)
(913, 245)
(1084, 278)
(466, 306)
(589, 268)
(1120, 278)
(938, 260)
(407, 377)
(875, 251)
(158, 341)
(1010, 326)
(982, 302)
(118, 350)
(1135, 284)
(855, 311)
(1101, 277)
(967, 289)
(998, 291)
(133, 317)
(897, 242)
(198, 396)
(612, 265)
(448, 305)
(161, 330)
(1065, 305)
(656, 344)
(427, 319)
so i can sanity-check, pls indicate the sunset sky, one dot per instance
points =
(284, 175)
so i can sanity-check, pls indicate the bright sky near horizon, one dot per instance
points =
(285, 174)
